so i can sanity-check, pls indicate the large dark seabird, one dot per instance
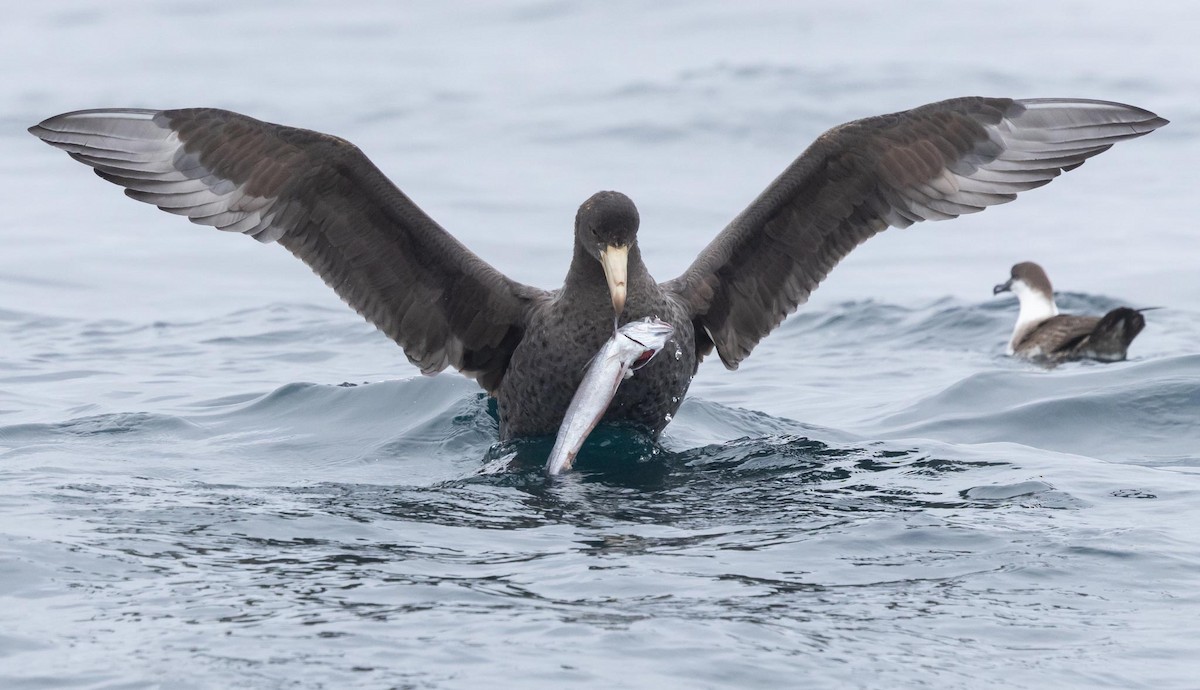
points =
(1043, 335)
(323, 200)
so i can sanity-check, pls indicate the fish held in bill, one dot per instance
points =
(630, 348)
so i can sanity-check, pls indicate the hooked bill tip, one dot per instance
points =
(618, 298)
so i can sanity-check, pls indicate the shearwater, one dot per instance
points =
(1044, 335)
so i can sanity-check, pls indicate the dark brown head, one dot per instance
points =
(605, 228)
(1026, 275)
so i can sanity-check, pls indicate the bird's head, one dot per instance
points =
(1027, 278)
(606, 229)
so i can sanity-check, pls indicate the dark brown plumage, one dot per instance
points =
(1068, 338)
(323, 200)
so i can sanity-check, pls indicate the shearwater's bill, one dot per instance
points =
(631, 347)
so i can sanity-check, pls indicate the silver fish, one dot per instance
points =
(630, 348)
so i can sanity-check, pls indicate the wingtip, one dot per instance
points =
(1140, 119)
(45, 128)
(1149, 125)
(77, 121)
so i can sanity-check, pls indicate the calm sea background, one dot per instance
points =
(878, 498)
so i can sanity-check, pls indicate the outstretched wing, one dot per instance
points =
(323, 200)
(935, 162)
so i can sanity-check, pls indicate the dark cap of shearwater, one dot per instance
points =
(322, 199)
(1031, 274)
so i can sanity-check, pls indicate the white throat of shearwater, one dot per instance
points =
(1036, 307)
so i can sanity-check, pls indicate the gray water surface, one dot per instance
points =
(214, 474)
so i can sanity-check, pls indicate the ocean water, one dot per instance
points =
(213, 474)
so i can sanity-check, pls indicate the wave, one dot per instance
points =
(425, 430)
(1143, 412)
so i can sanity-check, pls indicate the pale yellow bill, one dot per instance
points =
(615, 261)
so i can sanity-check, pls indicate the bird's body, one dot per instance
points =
(323, 200)
(1045, 336)
(565, 332)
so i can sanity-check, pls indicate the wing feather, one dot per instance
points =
(323, 200)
